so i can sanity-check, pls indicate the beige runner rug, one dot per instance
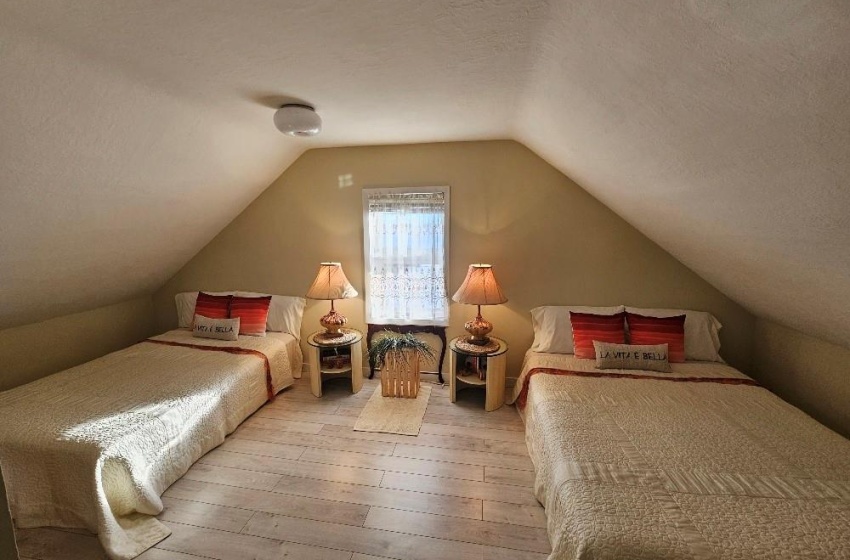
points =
(393, 415)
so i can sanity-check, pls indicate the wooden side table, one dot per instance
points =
(468, 368)
(341, 356)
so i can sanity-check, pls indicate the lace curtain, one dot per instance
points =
(406, 257)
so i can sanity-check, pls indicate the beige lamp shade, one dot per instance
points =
(331, 283)
(479, 287)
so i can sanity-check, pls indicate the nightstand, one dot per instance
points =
(341, 356)
(479, 369)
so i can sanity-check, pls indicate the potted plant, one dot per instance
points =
(397, 356)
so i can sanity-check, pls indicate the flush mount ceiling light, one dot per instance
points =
(295, 119)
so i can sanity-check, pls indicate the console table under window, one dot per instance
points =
(440, 332)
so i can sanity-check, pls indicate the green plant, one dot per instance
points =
(401, 343)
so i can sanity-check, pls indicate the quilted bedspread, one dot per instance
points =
(95, 446)
(655, 469)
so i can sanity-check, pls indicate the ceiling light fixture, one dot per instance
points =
(295, 119)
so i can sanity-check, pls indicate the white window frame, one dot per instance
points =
(366, 252)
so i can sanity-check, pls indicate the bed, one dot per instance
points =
(95, 446)
(700, 463)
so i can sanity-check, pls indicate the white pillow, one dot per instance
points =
(702, 331)
(285, 312)
(552, 330)
(219, 329)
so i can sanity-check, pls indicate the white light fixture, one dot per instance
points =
(295, 119)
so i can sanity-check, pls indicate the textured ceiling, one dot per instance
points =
(133, 132)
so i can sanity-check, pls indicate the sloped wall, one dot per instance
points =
(550, 242)
(807, 372)
(33, 351)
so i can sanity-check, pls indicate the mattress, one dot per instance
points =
(95, 446)
(693, 464)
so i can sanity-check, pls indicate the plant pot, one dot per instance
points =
(400, 374)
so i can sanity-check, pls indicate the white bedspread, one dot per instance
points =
(95, 446)
(656, 469)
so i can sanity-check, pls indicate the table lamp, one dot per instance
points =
(331, 283)
(479, 288)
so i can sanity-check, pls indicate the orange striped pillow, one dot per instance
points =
(588, 327)
(212, 307)
(659, 330)
(253, 312)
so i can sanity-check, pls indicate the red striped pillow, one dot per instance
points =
(253, 313)
(588, 327)
(212, 307)
(659, 330)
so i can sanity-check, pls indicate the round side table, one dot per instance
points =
(484, 369)
(336, 357)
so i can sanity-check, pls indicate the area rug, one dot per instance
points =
(393, 415)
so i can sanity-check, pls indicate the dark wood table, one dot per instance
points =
(440, 332)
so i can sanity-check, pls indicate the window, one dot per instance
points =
(405, 241)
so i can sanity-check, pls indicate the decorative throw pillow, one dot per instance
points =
(588, 327)
(702, 331)
(552, 330)
(213, 307)
(659, 330)
(631, 356)
(253, 311)
(285, 312)
(220, 329)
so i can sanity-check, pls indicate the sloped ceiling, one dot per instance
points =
(132, 132)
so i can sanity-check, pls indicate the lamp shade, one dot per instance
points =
(331, 283)
(480, 287)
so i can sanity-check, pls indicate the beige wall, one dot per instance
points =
(8, 550)
(549, 240)
(33, 351)
(809, 373)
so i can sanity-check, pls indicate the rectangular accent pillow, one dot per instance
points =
(702, 331)
(219, 329)
(285, 313)
(552, 330)
(631, 356)
(212, 307)
(588, 327)
(659, 330)
(253, 312)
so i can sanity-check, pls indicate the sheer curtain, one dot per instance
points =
(405, 250)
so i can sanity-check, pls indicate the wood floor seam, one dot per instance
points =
(251, 535)
(341, 501)
(383, 531)
(452, 496)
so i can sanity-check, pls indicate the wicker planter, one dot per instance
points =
(400, 375)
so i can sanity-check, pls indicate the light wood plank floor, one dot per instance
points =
(294, 481)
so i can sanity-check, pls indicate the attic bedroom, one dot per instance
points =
(560, 280)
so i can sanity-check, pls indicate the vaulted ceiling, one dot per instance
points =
(133, 132)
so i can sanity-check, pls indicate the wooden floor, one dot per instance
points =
(294, 481)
